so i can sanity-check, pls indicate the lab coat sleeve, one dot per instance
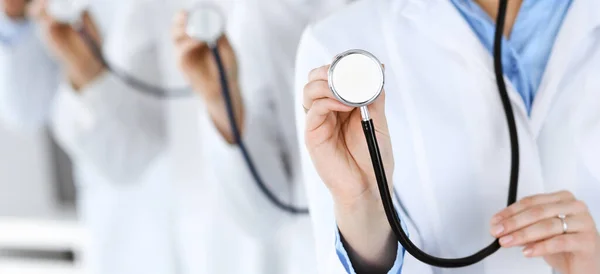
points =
(28, 77)
(244, 200)
(331, 254)
(345, 259)
(109, 127)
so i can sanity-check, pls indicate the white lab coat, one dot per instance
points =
(120, 174)
(449, 132)
(142, 213)
(265, 36)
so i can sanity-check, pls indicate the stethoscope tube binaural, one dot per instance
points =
(238, 139)
(383, 186)
(131, 81)
(171, 93)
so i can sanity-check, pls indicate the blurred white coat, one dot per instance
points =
(141, 214)
(265, 36)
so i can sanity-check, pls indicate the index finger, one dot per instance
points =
(319, 73)
(180, 18)
(531, 201)
(178, 30)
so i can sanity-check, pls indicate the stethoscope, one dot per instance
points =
(206, 23)
(356, 78)
(70, 12)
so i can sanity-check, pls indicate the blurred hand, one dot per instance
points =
(337, 146)
(66, 43)
(14, 9)
(199, 66)
(533, 224)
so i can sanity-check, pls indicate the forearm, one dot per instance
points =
(109, 126)
(367, 237)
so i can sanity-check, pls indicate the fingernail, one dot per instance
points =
(506, 240)
(527, 252)
(496, 220)
(497, 230)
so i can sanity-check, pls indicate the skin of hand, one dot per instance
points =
(76, 57)
(533, 223)
(336, 142)
(14, 9)
(198, 65)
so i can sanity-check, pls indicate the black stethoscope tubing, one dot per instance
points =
(128, 79)
(225, 91)
(238, 140)
(388, 205)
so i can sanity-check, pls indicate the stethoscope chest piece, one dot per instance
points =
(356, 78)
(67, 11)
(206, 23)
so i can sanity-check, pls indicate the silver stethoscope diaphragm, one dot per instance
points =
(356, 78)
(67, 11)
(206, 23)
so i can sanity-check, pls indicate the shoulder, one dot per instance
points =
(352, 17)
(357, 25)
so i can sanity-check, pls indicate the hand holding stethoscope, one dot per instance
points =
(77, 59)
(209, 62)
(196, 60)
(335, 141)
(554, 226)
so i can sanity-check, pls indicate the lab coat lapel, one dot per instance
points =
(580, 21)
(460, 41)
(463, 44)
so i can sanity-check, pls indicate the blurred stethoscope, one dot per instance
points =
(206, 23)
(356, 78)
(71, 12)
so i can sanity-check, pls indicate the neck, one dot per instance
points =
(491, 8)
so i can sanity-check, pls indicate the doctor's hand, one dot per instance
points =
(14, 9)
(199, 66)
(336, 143)
(76, 57)
(534, 223)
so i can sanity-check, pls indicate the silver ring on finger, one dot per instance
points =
(563, 219)
(305, 109)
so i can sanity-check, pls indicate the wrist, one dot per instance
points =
(81, 76)
(367, 236)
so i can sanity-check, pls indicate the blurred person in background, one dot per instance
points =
(451, 159)
(143, 198)
(258, 51)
